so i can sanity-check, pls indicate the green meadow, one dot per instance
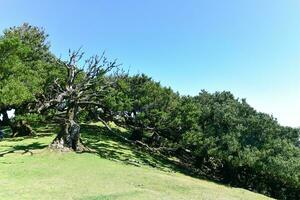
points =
(111, 170)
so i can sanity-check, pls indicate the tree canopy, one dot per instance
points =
(26, 68)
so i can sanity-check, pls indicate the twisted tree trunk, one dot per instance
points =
(83, 87)
(21, 128)
(69, 136)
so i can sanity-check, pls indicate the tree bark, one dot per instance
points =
(21, 128)
(155, 140)
(69, 136)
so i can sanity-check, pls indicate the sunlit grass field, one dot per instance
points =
(113, 170)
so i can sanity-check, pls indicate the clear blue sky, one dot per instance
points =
(250, 47)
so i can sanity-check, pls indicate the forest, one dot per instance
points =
(213, 135)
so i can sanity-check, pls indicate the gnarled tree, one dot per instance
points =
(83, 87)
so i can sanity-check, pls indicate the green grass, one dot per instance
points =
(115, 170)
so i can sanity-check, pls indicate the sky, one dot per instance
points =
(248, 47)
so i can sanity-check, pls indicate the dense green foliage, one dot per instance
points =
(27, 67)
(227, 139)
(142, 105)
(246, 148)
(216, 135)
(26, 64)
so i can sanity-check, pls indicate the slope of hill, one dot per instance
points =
(114, 170)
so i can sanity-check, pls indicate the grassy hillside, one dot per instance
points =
(115, 170)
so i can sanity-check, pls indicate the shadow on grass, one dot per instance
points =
(10, 148)
(109, 146)
(41, 130)
(106, 145)
(23, 149)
